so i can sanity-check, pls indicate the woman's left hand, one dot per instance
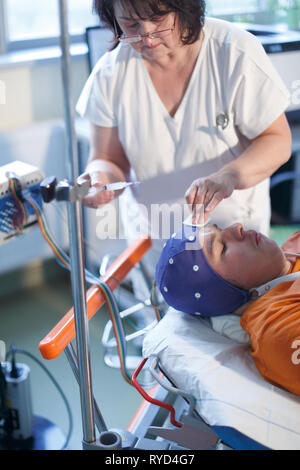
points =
(206, 193)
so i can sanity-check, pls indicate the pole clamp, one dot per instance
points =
(63, 190)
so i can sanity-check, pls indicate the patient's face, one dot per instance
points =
(247, 259)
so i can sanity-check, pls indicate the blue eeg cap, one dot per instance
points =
(187, 281)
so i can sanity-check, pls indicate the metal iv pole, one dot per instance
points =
(110, 440)
(75, 235)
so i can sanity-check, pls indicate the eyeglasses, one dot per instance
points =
(139, 37)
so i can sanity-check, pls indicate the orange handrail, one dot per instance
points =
(62, 334)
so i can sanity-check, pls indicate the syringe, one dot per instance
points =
(117, 186)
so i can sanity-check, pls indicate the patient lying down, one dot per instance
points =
(211, 272)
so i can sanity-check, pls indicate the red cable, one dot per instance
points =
(153, 400)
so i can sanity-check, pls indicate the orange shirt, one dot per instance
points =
(273, 325)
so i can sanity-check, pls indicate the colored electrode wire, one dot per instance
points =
(14, 190)
(154, 302)
(64, 261)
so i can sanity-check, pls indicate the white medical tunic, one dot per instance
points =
(233, 77)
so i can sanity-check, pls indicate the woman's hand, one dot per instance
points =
(107, 164)
(205, 194)
(96, 196)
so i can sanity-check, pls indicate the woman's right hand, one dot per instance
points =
(96, 196)
(107, 164)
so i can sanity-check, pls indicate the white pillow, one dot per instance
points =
(229, 326)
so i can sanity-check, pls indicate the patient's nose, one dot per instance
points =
(236, 231)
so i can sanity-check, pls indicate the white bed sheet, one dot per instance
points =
(222, 376)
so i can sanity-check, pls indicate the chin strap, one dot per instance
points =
(264, 288)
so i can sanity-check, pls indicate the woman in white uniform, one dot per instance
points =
(192, 106)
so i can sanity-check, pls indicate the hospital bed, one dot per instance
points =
(208, 392)
(231, 396)
(210, 360)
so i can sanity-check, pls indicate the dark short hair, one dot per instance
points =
(191, 14)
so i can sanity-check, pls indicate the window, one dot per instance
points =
(34, 23)
(285, 13)
(221, 7)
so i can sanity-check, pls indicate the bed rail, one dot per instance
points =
(62, 334)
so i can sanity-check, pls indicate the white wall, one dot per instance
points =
(41, 144)
(34, 90)
(32, 130)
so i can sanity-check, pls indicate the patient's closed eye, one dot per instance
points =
(219, 247)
